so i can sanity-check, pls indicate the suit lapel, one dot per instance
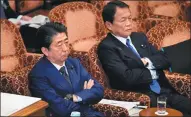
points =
(121, 47)
(136, 43)
(140, 45)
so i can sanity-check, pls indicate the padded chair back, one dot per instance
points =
(12, 47)
(138, 8)
(138, 12)
(26, 5)
(82, 19)
(16, 63)
(165, 9)
(169, 33)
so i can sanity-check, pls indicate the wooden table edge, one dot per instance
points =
(155, 108)
(31, 109)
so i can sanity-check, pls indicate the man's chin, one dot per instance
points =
(128, 33)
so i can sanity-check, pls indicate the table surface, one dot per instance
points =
(151, 112)
(40, 105)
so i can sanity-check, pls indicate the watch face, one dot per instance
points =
(68, 97)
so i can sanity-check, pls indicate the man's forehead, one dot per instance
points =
(122, 11)
(59, 37)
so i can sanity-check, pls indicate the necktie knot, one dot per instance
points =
(63, 70)
(128, 42)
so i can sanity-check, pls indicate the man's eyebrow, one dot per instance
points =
(59, 42)
(66, 39)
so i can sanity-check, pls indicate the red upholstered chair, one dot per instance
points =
(138, 8)
(15, 61)
(84, 24)
(167, 9)
(109, 93)
(170, 33)
(23, 6)
(160, 11)
(138, 11)
(151, 13)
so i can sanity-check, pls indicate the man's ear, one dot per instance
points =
(108, 25)
(44, 51)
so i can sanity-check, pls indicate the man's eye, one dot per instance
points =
(66, 42)
(59, 44)
(130, 18)
(122, 20)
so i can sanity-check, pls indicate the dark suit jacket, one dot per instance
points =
(9, 13)
(124, 69)
(47, 83)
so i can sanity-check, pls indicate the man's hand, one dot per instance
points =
(26, 18)
(145, 62)
(89, 84)
(75, 98)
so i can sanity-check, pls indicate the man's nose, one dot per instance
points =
(64, 47)
(128, 23)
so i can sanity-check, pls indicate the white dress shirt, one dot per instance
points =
(59, 67)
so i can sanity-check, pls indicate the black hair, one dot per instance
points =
(188, 13)
(46, 32)
(109, 10)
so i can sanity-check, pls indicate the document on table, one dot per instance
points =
(123, 104)
(35, 22)
(11, 103)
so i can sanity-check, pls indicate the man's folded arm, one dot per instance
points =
(113, 64)
(158, 57)
(92, 95)
(39, 87)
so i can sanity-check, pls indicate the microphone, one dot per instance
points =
(143, 46)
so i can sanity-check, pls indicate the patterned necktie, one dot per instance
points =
(66, 76)
(155, 87)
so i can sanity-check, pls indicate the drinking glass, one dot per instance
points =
(161, 104)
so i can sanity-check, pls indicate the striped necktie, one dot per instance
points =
(133, 50)
(64, 73)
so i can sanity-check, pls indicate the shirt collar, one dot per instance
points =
(58, 66)
(122, 39)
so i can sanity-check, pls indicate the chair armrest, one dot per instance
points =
(120, 95)
(111, 111)
(181, 82)
(32, 58)
(16, 82)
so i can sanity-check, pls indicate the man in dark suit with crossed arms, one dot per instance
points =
(132, 63)
(60, 80)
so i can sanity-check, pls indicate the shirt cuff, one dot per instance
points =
(150, 64)
(79, 99)
(19, 17)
